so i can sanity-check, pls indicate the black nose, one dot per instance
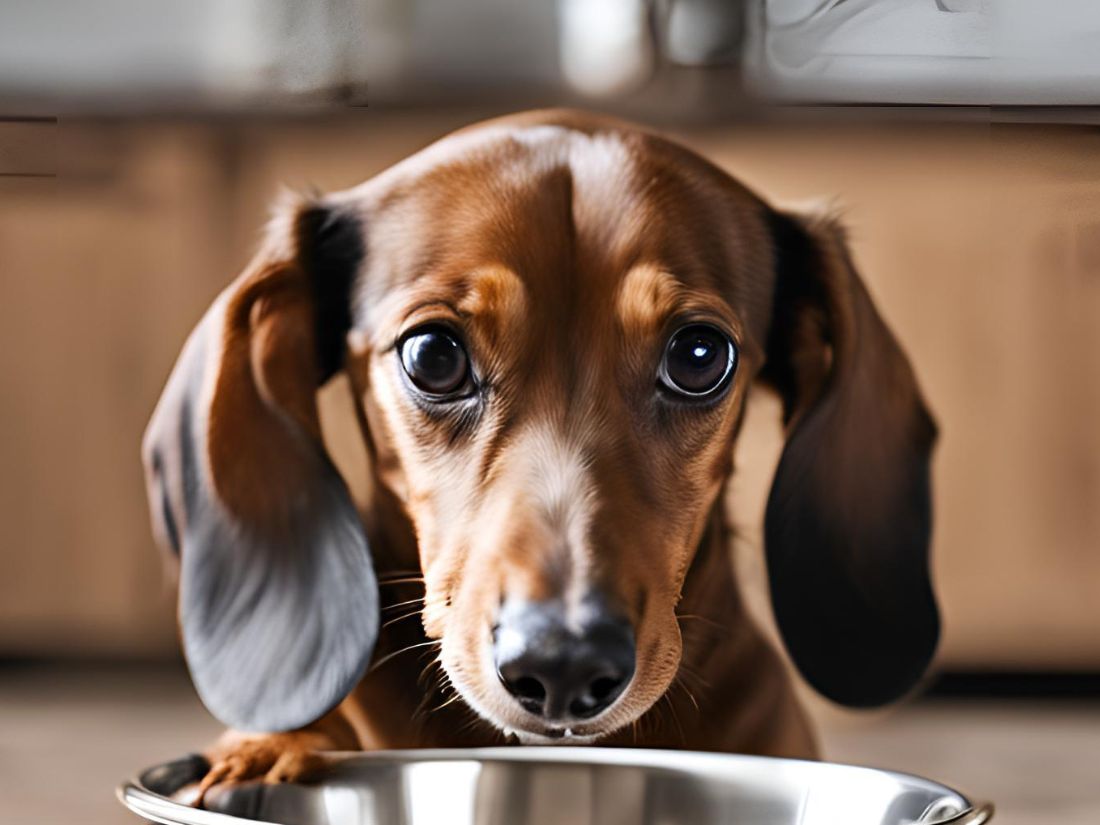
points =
(559, 671)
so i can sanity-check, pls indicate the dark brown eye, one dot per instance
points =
(435, 361)
(698, 362)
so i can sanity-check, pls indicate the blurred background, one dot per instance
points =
(140, 147)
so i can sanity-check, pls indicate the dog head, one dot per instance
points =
(551, 324)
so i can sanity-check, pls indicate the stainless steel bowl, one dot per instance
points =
(583, 786)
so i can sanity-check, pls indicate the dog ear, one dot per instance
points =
(278, 602)
(848, 519)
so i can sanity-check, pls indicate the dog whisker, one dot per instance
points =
(688, 671)
(697, 617)
(396, 619)
(474, 722)
(407, 580)
(675, 718)
(421, 707)
(426, 672)
(442, 687)
(450, 701)
(396, 576)
(405, 603)
(389, 656)
(679, 682)
(434, 670)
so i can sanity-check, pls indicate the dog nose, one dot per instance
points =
(560, 670)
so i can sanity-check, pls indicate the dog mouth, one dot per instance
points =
(491, 701)
(553, 736)
(531, 730)
(538, 683)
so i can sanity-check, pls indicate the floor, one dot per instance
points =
(68, 735)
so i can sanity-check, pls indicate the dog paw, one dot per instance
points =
(169, 778)
(241, 765)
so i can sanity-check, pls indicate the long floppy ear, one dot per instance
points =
(848, 519)
(278, 602)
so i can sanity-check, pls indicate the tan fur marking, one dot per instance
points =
(497, 297)
(646, 297)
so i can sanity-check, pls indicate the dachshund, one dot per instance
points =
(551, 323)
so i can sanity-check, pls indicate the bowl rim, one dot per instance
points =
(152, 806)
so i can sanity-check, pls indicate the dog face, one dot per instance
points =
(551, 325)
(554, 377)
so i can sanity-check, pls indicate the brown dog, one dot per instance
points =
(551, 323)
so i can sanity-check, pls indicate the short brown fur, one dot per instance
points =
(566, 249)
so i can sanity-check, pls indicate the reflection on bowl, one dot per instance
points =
(579, 786)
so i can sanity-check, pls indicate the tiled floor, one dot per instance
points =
(67, 736)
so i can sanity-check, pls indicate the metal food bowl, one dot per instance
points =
(580, 786)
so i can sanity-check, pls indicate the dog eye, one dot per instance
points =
(698, 361)
(435, 361)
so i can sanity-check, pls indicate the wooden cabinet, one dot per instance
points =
(980, 244)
